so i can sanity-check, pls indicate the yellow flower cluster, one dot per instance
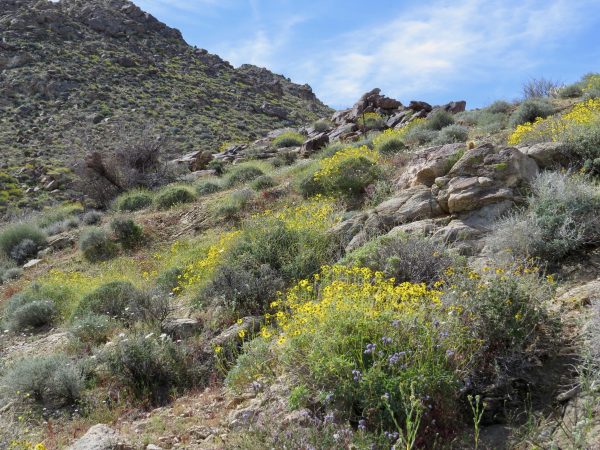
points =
(199, 271)
(318, 213)
(593, 82)
(26, 445)
(554, 128)
(359, 292)
(330, 166)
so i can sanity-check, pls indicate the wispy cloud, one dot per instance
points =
(432, 45)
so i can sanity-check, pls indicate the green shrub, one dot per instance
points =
(321, 126)
(121, 300)
(263, 182)
(562, 216)
(93, 329)
(207, 188)
(169, 279)
(96, 246)
(530, 110)
(10, 274)
(234, 204)
(438, 119)
(14, 235)
(50, 381)
(243, 174)
(284, 159)
(32, 315)
(331, 150)
(92, 217)
(371, 121)
(411, 258)
(216, 165)
(127, 232)
(389, 143)
(352, 177)
(419, 135)
(500, 106)
(174, 195)
(57, 214)
(583, 141)
(150, 367)
(452, 134)
(24, 250)
(133, 201)
(506, 310)
(570, 91)
(288, 139)
(309, 186)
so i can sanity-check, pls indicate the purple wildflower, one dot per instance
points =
(362, 425)
(386, 340)
(395, 358)
(370, 349)
(357, 375)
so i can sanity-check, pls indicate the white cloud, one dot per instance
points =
(427, 47)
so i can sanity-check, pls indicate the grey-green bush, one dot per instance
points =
(93, 328)
(24, 250)
(127, 232)
(207, 187)
(288, 139)
(263, 182)
(438, 119)
(13, 235)
(10, 274)
(233, 205)
(243, 174)
(500, 106)
(452, 134)
(92, 217)
(32, 315)
(51, 381)
(150, 367)
(96, 245)
(134, 201)
(174, 195)
(529, 110)
(570, 91)
(563, 215)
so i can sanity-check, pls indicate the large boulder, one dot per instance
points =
(314, 144)
(548, 154)
(100, 437)
(430, 164)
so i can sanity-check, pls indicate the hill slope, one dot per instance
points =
(74, 65)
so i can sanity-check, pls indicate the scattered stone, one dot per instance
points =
(100, 437)
(182, 328)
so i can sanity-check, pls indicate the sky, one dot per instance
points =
(436, 51)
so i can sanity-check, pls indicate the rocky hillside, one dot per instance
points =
(74, 69)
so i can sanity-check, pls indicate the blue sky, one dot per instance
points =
(435, 51)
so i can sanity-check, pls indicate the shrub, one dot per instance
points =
(263, 182)
(506, 310)
(331, 150)
(11, 274)
(438, 119)
(207, 188)
(134, 201)
(284, 159)
(96, 246)
(13, 235)
(347, 173)
(32, 315)
(61, 227)
(92, 217)
(93, 328)
(530, 110)
(152, 368)
(583, 141)
(127, 232)
(169, 279)
(539, 87)
(371, 121)
(57, 214)
(419, 135)
(24, 250)
(570, 91)
(321, 126)
(216, 165)
(121, 300)
(174, 195)
(452, 134)
(562, 216)
(237, 201)
(352, 336)
(243, 174)
(389, 142)
(405, 258)
(50, 381)
(500, 106)
(288, 139)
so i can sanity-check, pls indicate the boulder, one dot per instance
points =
(230, 337)
(430, 164)
(419, 106)
(100, 437)
(182, 328)
(455, 107)
(314, 144)
(548, 154)
(342, 131)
